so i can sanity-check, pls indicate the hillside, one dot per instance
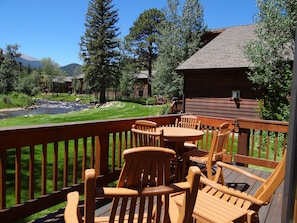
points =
(29, 61)
(26, 61)
(72, 69)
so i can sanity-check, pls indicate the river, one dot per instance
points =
(45, 107)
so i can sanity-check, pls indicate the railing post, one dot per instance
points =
(102, 147)
(243, 141)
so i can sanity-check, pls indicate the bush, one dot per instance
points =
(165, 109)
(6, 100)
(150, 101)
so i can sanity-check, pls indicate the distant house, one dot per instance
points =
(215, 77)
(65, 84)
(141, 87)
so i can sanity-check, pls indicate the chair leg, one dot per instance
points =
(252, 217)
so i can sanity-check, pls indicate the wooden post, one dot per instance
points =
(289, 195)
(102, 147)
(243, 143)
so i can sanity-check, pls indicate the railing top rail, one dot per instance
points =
(268, 125)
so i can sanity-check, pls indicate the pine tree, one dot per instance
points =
(99, 47)
(141, 42)
(9, 69)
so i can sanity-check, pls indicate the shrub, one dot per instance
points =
(150, 101)
(165, 109)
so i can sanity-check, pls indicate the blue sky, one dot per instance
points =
(52, 28)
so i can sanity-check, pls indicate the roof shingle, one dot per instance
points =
(224, 51)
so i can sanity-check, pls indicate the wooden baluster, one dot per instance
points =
(55, 166)
(18, 176)
(92, 158)
(31, 172)
(66, 163)
(44, 164)
(114, 136)
(75, 161)
(2, 179)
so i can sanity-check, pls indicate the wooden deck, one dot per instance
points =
(267, 214)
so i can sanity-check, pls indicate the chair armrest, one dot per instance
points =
(230, 191)
(115, 192)
(109, 192)
(71, 214)
(219, 154)
(241, 171)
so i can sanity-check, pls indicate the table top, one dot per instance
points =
(177, 134)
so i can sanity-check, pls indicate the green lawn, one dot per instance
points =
(112, 110)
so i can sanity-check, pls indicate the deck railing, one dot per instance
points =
(40, 164)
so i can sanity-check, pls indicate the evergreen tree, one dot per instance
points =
(99, 47)
(192, 27)
(272, 54)
(141, 42)
(179, 39)
(9, 69)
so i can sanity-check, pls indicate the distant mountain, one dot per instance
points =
(26, 61)
(72, 69)
(29, 61)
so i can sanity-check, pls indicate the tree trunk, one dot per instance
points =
(102, 96)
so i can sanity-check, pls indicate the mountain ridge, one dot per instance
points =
(26, 60)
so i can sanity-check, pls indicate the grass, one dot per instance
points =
(112, 110)
(115, 110)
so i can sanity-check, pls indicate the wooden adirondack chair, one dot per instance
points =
(191, 122)
(229, 201)
(215, 153)
(147, 137)
(188, 121)
(145, 125)
(143, 191)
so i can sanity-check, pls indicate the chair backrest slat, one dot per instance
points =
(147, 138)
(219, 139)
(145, 125)
(188, 121)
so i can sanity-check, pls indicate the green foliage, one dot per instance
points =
(165, 109)
(272, 54)
(9, 69)
(30, 83)
(179, 39)
(50, 71)
(99, 47)
(128, 78)
(141, 42)
(150, 101)
(14, 100)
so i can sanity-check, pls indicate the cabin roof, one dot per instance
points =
(144, 74)
(224, 51)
